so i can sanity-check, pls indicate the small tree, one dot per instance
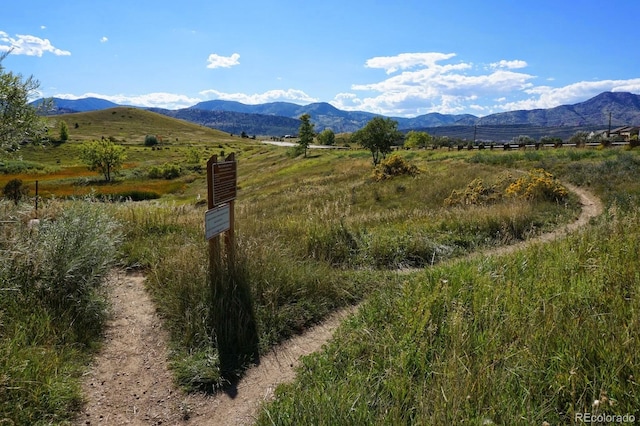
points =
(306, 132)
(326, 137)
(14, 190)
(150, 140)
(64, 131)
(378, 136)
(104, 156)
(417, 139)
(579, 138)
(523, 140)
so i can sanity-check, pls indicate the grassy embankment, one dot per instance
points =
(313, 234)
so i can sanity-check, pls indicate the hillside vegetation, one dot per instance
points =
(435, 344)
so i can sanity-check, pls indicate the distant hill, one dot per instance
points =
(236, 122)
(65, 106)
(131, 125)
(624, 109)
(281, 118)
(323, 115)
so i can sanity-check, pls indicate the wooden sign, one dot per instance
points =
(221, 194)
(224, 182)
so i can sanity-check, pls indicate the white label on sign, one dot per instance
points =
(217, 220)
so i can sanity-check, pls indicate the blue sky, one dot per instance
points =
(399, 58)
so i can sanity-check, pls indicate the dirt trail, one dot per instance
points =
(130, 383)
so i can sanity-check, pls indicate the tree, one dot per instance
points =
(378, 136)
(14, 190)
(150, 140)
(417, 139)
(64, 131)
(306, 132)
(551, 140)
(524, 140)
(103, 156)
(579, 138)
(327, 137)
(19, 120)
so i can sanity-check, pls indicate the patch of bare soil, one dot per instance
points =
(130, 382)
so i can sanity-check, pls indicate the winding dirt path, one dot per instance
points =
(130, 382)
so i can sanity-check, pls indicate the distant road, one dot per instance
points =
(310, 146)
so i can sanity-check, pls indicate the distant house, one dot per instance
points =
(624, 132)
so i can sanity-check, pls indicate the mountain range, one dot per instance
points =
(280, 118)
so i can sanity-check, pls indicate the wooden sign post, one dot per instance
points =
(231, 307)
(222, 181)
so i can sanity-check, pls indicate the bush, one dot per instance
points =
(150, 140)
(166, 171)
(394, 166)
(477, 193)
(538, 185)
(51, 310)
(14, 190)
(327, 137)
(63, 263)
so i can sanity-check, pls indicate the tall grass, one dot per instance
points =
(533, 337)
(52, 308)
(541, 336)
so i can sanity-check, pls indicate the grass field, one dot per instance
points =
(500, 339)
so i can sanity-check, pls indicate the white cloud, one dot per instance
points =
(150, 100)
(515, 64)
(217, 61)
(104, 40)
(28, 45)
(403, 61)
(290, 95)
(429, 84)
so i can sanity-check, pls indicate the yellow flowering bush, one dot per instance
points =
(393, 166)
(478, 193)
(538, 184)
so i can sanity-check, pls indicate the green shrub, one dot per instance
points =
(150, 140)
(52, 310)
(14, 191)
(166, 171)
(63, 264)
